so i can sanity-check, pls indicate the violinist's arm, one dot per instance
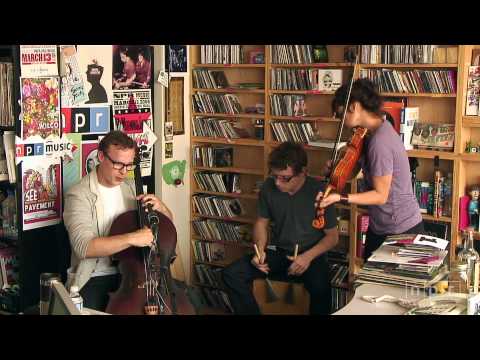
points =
(377, 196)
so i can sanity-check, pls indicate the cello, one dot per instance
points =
(147, 286)
(344, 165)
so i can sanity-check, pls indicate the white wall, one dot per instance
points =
(176, 198)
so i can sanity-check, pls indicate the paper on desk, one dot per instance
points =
(385, 254)
(431, 241)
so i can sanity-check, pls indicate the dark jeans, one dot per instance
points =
(373, 241)
(95, 291)
(238, 279)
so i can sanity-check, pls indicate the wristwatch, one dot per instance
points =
(344, 199)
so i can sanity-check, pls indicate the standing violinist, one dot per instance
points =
(91, 206)
(286, 204)
(392, 206)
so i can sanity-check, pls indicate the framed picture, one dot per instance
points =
(176, 57)
(174, 100)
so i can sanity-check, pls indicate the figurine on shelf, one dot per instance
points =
(474, 193)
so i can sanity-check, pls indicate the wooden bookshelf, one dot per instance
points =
(251, 196)
(408, 66)
(225, 141)
(230, 90)
(314, 65)
(467, 129)
(428, 95)
(243, 115)
(442, 108)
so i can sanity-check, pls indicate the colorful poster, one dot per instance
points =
(89, 156)
(42, 192)
(38, 60)
(72, 164)
(132, 67)
(131, 108)
(145, 141)
(86, 120)
(40, 108)
(95, 62)
(73, 89)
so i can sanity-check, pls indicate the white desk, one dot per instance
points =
(88, 311)
(357, 306)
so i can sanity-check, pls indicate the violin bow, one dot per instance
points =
(345, 108)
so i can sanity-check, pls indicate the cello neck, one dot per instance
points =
(139, 191)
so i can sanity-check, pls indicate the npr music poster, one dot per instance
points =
(41, 192)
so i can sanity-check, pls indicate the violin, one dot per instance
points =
(342, 172)
(343, 166)
(147, 286)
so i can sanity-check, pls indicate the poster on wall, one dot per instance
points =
(146, 139)
(168, 150)
(132, 108)
(72, 163)
(176, 57)
(95, 62)
(42, 192)
(72, 86)
(132, 67)
(86, 120)
(89, 154)
(175, 105)
(38, 60)
(40, 108)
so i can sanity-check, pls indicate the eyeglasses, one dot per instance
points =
(282, 178)
(117, 165)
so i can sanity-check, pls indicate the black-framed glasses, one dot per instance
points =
(117, 165)
(282, 178)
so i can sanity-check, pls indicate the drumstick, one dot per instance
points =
(295, 252)
(257, 252)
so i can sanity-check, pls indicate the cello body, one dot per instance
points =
(147, 286)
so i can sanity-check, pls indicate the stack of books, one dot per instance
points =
(407, 260)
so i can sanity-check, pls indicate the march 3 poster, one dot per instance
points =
(40, 108)
(42, 192)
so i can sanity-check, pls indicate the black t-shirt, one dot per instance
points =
(292, 215)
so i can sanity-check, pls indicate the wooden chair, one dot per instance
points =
(300, 304)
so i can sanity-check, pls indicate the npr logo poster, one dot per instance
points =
(89, 120)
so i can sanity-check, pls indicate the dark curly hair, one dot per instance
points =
(288, 154)
(363, 91)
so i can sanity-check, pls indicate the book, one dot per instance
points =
(3, 162)
(329, 79)
(433, 135)
(328, 144)
(9, 144)
(409, 116)
(473, 91)
(220, 79)
(223, 156)
(393, 113)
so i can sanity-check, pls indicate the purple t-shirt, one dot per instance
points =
(384, 154)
